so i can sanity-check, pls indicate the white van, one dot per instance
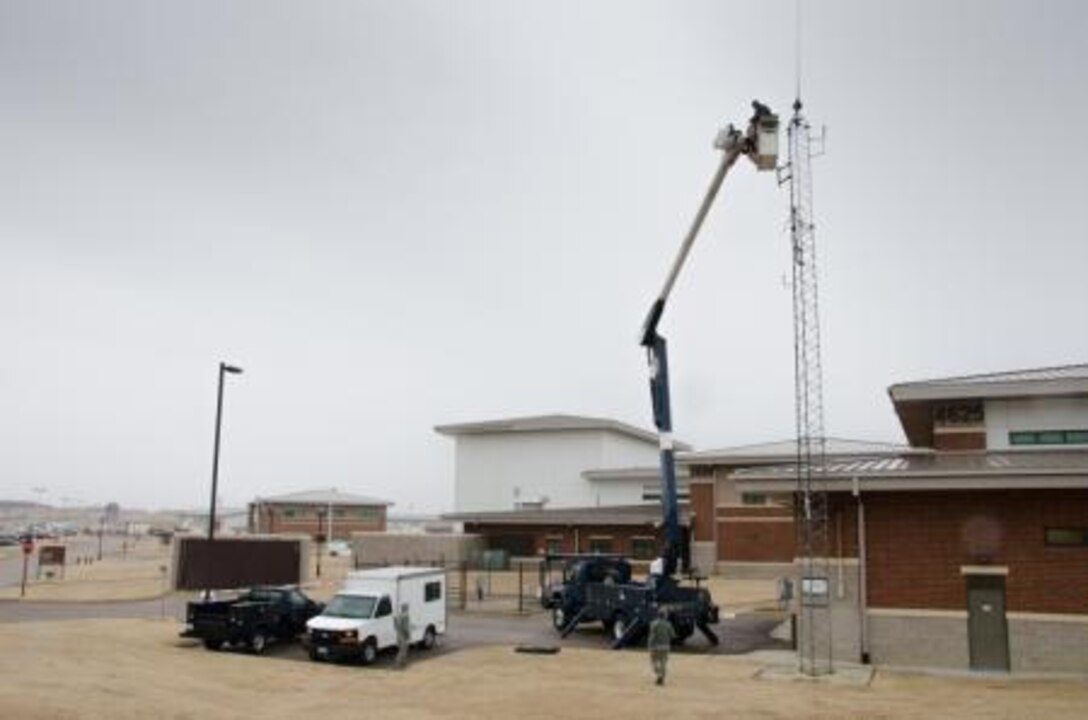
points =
(358, 622)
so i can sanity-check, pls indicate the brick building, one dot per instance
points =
(974, 555)
(632, 530)
(330, 513)
(752, 534)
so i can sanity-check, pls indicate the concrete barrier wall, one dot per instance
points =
(1041, 644)
(919, 638)
(415, 548)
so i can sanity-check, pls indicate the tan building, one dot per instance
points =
(333, 514)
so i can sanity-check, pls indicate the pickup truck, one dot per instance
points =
(253, 619)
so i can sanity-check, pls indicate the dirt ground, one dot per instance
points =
(139, 574)
(142, 571)
(140, 668)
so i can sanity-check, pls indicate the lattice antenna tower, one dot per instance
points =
(814, 641)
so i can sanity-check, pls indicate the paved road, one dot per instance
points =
(741, 634)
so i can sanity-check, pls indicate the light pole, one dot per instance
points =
(223, 370)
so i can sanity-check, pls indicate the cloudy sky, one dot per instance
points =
(402, 213)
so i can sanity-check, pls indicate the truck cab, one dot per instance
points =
(566, 596)
(353, 626)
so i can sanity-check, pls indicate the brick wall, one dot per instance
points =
(959, 440)
(917, 543)
(702, 510)
(295, 519)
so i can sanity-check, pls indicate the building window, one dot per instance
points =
(652, 491)
(1066, 537)
(958, 414)
(289, 512)
(600, 545)
(432, 591)
(643, 548)
(1049, 437)
(753, 498)
(553, 545)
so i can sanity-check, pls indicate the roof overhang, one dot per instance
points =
(919, 483)
(628, 515)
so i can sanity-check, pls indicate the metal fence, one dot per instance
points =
(487, 585)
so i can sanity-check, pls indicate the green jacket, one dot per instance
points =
(661, 634)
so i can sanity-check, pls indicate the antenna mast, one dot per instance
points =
(814, 646)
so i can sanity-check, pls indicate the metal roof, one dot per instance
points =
(550, 423)
(776, 452)
(328, 496)
(1061, 379)
(948, 471)
(649, 514)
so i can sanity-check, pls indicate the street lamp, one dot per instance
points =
(223, 370)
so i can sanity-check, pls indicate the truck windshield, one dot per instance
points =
(350, 606)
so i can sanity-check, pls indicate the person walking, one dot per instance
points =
(402, 624)
(659, 642)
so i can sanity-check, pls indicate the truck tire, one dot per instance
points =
(313, 655)
(212, 644)
(258, 642)
(683, 631)
(369, 653)
(559, 618)
(619, 626)
(429, 638)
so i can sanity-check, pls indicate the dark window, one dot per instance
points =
(553, 546)
(753, 499)
(385, 607)
(643, 548)
(1049, 437)
(958, 414)
(1067, 537)
(432, 591)
(601, 546)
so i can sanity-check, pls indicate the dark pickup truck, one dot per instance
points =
(253, 619)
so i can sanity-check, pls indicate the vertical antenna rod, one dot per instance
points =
(815, 646)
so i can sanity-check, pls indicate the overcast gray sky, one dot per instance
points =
(396, 214)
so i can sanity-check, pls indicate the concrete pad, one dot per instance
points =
(844, 674)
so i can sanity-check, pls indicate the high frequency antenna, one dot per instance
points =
(815, 637)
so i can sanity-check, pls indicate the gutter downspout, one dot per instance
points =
(863, 590)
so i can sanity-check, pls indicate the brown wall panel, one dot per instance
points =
(227, 564)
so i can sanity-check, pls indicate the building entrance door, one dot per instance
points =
(987, 628)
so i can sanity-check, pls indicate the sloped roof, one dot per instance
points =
(1061, 379)
(1025, 469)
(776, 452)
(550, 423)
(327, 496)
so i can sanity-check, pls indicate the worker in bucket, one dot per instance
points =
(403, 626)
(659, 642)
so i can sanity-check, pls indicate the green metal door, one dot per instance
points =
(987, 628)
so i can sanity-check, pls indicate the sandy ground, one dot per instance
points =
(134, 575)
(140, 669)
(139, 575)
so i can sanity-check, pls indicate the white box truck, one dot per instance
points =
(357, 623)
